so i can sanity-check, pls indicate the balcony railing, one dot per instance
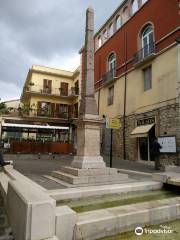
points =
(109, 76)
(48, 113)
(144, 53)
(71, 92)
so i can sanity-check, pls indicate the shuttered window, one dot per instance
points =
(64, 89)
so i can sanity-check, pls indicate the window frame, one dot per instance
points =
(147, 80)
(110, 99)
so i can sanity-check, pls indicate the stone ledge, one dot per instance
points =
(66, 219)
(108, 222)
(35, 208)
(83, 192)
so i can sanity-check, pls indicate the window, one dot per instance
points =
(64, 89)
(134, 6)
(110, 96)
(112, 64)
(105, 36)
(47, 86)
(99, 41)
(44, 108)
(110, 30)
(147, 72)
(63, 110)
(118, 22)
(144, 1)
(147, 41)
(125, 15)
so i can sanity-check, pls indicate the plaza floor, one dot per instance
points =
(36, 169)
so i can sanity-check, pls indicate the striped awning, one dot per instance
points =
(14, 125)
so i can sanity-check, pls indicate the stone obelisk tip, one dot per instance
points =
(90, 9)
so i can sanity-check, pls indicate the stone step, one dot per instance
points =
(92, 179)
(75, 192)
(88, 172)
(112, 221)
(69, 177)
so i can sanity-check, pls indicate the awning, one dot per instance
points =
(141, 131)
(13, 125)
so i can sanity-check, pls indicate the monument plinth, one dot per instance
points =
(89, 122)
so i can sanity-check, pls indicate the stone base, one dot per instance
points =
(86, 162)
(81, 177)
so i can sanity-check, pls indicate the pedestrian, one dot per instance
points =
(155, 153)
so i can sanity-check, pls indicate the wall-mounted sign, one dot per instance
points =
(113, 123)
(168, 144)
(146, 121)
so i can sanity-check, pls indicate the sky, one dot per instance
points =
(43, 32)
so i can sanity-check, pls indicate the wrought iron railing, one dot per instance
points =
(73, 91)
(145, 52)
(109, 76)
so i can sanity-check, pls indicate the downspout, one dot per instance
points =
(178, 84)
(125, 93)
(99, 91)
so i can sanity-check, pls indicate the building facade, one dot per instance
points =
(137, 77)
(48, 107)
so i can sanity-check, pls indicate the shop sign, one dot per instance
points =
(146, 121)
(113, 123)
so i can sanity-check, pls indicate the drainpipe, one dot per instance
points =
(178, 82)
(178, 66)
(125, 93)
(99, 91)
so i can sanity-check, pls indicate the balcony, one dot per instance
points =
(144, 55)
(58, 92)
(109, 77)
(35, 113)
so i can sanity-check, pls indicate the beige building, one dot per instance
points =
(48, 106)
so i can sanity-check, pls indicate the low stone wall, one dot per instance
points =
(32, 212)
(112, 221)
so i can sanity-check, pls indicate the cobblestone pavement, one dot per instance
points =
(5, 230)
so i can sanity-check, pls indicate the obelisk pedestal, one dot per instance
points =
(88, 144)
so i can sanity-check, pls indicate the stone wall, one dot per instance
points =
(5, 230)
(167, 124)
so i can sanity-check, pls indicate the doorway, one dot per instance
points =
(145, 145)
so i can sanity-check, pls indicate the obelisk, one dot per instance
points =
(89, 122)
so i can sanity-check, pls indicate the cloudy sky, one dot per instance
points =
(43, 32)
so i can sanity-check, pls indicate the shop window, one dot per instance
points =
(134, 6)
(118, 22)
(110, 96)
(111, 30)
(147, 72)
